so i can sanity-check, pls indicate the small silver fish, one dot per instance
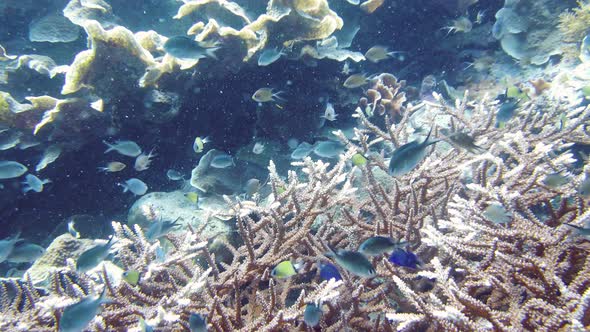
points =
(26, 253)
(222, 161)
(186, 48)
(126, 148)
(264, 95)
(377, 245)
(77, 316)
(90, 258)
(136, 186)
(7, 246)
(174, 175)
(34, 183)
(354, 262)
(160, 228)
(269, 56)
(11, 169)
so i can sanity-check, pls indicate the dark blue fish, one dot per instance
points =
(183, 47)
(404, 258)
(329, 271)
(408, 156)
(506, 112)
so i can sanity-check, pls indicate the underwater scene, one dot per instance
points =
(294, 165)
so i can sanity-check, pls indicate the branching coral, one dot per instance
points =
(531, 273)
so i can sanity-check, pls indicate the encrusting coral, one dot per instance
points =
(530, 272)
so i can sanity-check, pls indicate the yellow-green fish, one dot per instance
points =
(358, 159)
(284, 269)
(355, 81)
(131, 277)
(199, 144)
(192, 196)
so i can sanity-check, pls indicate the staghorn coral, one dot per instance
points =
(531, 273)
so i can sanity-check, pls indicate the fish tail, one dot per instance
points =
(111, 147)
(211, 53)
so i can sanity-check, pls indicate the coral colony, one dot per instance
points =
(347, 193)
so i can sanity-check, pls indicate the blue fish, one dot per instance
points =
(186, 48)
(329, 271)
(197, 323)
(77, 316)
(312, 315)
(160, 228)
(405, 158)
(404, 258)
(90, 258)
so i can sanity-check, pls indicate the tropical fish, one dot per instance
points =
(328, 149)
(7, 246)
(404, 258)
(377, 245)
(285, 269)
(329, 271)
(9, 139)
(77, 316)
(199, 144)
(160, 228)
(174, 175)
(25, 253)
(379, 53)
(192, 196)
(49, 155)
(496, 213)
(480, 16)
(330, 113)
(131, 277)
(355, 81)
(186, 48)
(358, 159)
(11, 169)
(466, 142)
(584, 231)
(136, 186)
(303, 150)
(555, 180)
(251, 187)
(34, 183)
(90, 258)
(264, 95)
(269, 56)
(408, 156)
(222, 161)
(258, 148)
(353, 2)
(312, 315)
(506, 112)
(197, 323)
(113, 166)
(126, 148)
(143, 161)
(73, 232)
(354, 262)
(584, 189)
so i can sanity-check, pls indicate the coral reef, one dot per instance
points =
(530, 273)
